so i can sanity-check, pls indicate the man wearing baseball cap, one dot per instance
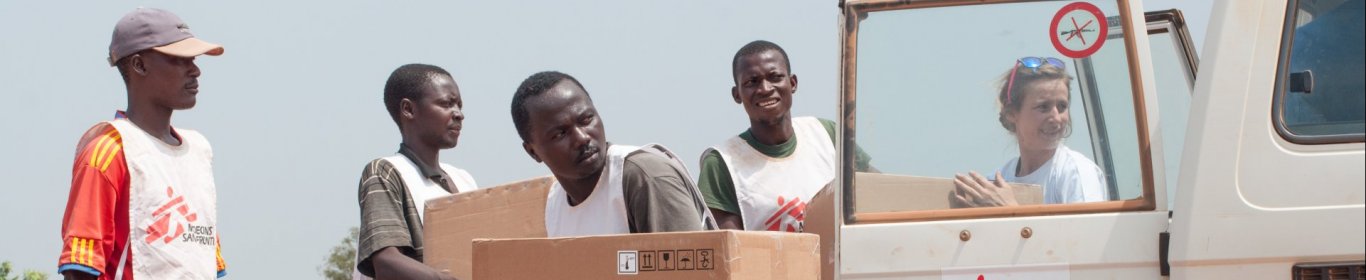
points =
(143, 203)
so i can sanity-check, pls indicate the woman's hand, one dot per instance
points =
(973, 190)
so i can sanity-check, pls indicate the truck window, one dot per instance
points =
(1319, 87)
(930, 102)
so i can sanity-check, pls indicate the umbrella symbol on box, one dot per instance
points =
(685, 259)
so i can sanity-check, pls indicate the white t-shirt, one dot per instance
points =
(603, 212)
(1068, 177)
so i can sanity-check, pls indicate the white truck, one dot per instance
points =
(1246, 163)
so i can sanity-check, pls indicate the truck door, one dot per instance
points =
(928, 94)
(1272, 183)
(1174, 65)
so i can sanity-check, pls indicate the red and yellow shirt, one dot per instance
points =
(95, 225)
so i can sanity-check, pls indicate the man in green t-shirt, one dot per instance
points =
(763, 178)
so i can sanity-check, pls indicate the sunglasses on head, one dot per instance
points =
(1032, 63)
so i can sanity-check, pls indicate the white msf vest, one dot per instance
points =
(604, 211)
(172, 205)
(773, 192)
(420, 189)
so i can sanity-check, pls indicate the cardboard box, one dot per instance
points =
(892, 193)
(517, 210)
(513, 210)
(675, 255)
(822, 220)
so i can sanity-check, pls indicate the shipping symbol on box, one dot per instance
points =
(704, 259)
(686, 259)
(648, 260)
(628, 262)
(667, 260)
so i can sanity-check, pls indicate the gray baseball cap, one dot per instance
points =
(149, 28)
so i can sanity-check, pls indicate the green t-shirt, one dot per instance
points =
(715, 181)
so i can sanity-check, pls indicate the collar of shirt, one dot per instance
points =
(774, 151)
(435, 174)
(120, 114)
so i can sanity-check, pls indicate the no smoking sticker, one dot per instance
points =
(1078, 30)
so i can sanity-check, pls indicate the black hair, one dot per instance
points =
(125, 67)
(408, 81)
(758, 46)
(122, 66)
(534, 86)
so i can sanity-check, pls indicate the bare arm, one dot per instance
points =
(390, 263)
(718, 189)
(76, 275)
(727, 220)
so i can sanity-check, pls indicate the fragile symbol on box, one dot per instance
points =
(704, 261)
(647, 260)
(627, 262)
(685, 259)
(666, 260)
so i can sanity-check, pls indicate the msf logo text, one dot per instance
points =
(166, 228)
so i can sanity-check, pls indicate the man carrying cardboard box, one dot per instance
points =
(763, 178)
(425, 103)
(600, 188)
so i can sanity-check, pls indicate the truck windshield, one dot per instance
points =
(1040, 92)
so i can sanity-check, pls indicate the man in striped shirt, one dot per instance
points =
(425, 103)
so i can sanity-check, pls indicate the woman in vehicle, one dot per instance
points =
(1033, 101)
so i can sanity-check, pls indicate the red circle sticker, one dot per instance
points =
(1078, 30)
